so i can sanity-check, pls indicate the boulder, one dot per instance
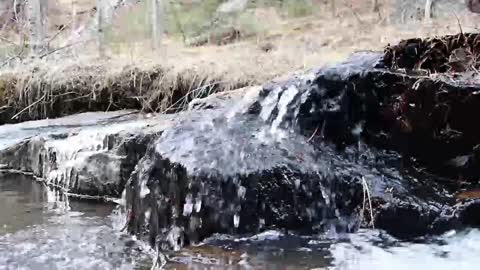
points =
(316, 153)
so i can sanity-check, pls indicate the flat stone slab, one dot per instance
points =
(87, 154)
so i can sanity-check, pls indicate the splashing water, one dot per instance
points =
(374, 250)
(42, 229)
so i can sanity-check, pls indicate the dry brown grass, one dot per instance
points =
(42, 90)
(134, 77)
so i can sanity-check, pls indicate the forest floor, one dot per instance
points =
(133, 76)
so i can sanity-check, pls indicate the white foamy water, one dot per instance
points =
(367, 250)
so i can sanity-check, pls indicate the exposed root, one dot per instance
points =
(451, 53)
(28, 107)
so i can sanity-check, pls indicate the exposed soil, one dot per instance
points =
(451, 53)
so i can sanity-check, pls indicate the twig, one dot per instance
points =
(28, 107)
(4, 63)
(185, 97)
(56, 50)
(15, 11)
(367, 191)
(313, 135)
(58, 33)
(354, 12)
(458, 21)
(146, 103)
(8, 41)
(61, 48)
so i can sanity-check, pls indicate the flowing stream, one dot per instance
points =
(41, 229)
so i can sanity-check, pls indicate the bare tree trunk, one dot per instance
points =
(74, 23)
(100, 28)
(333, 7)
(15, 11)
(37, 10)
(74, 16)
(428, 9)
(375, 6)
(157, 25)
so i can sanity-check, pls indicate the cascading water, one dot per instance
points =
(276, 179)
(248, 169)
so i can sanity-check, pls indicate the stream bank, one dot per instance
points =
(334, 149)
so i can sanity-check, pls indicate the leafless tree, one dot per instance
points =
(157, 25)
(473, 5)
(74, 15)
(100, 27)
(428, 9)
(375, 6)
(37, 16)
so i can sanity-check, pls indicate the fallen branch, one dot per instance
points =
(355, 14)
(8, 41)
(184, 99)
(29, 106)
(4, 63)
(60, 48)
(57, 34)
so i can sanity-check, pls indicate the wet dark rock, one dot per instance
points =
(85, 158)
(303, 155)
